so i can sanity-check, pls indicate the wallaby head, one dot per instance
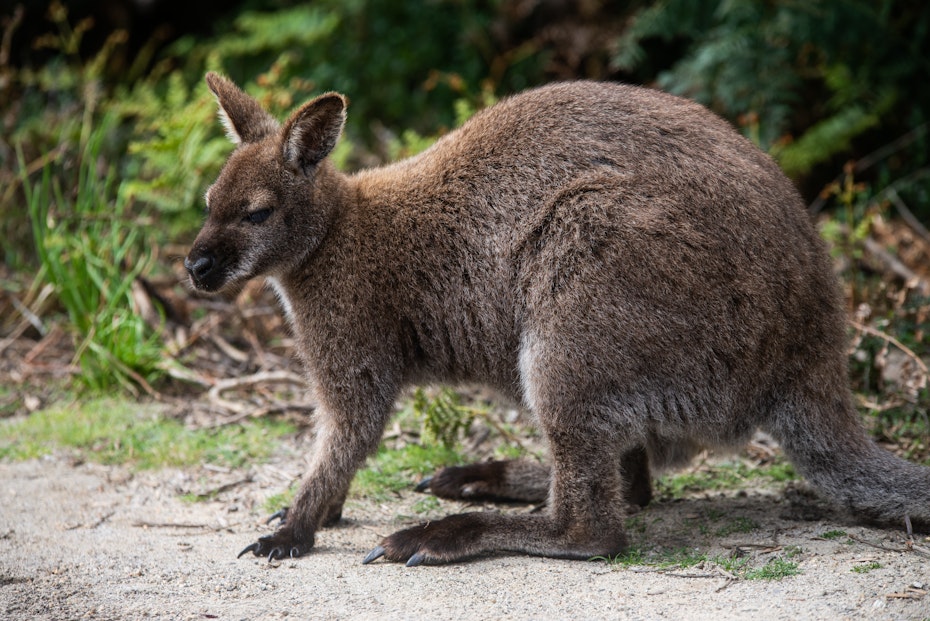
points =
(265, 211)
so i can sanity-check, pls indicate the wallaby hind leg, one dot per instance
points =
(584, 516)
(520, 480)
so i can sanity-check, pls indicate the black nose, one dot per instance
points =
(199, 267)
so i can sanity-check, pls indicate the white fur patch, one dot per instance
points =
(526, 360)
(283, 298)
(294, 144)
(228, 125)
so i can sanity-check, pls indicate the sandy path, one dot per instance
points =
(94, 542)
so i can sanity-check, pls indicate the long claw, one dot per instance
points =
(423, 485)
(374, 555)
(281, 514)
(252, 547)
(416, 559)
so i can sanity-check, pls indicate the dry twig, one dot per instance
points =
(890, 339)
(895, 266)
(243, 409)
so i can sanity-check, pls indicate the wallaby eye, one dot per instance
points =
(257, 217)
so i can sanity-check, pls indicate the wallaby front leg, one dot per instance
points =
(339, 449)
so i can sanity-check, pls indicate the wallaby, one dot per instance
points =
(619, 260)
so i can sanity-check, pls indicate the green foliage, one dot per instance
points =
(734, 564)
(826, 138)
(723, 476)
(91, 252)
(404, 48)
(177, 150)
(793, 551)
(275, 502)
(804, 79)
(678, 558)
(633, 557)
(260, 36)
(422, 56)
(393, 470)
(411, 142)
(282, 55)
(739, 566)
(48, 115)
(510, 451)
(120, 432)
(775, 569)
(444, 418)
(900, 400)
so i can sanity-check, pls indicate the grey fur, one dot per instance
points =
(618, 259)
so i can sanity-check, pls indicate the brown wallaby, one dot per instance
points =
(619, 260)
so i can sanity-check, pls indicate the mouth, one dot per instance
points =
(224, 278)
(204, 285)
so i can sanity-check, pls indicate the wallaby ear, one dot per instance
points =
(311, 132)
(244, 119)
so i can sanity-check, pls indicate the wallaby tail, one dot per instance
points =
(832, 450)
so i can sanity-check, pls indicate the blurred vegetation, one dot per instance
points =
(117, 432)
(107, 141)
(91, 250)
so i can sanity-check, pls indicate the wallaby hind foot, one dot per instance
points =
(468, 535)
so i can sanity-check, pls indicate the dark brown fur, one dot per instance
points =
(621, 261)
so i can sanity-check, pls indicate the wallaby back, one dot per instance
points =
(620, 260)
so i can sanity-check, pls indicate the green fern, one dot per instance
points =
(444, 418)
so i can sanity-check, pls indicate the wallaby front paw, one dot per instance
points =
(279, 545)
(509, 481)
(463, 482)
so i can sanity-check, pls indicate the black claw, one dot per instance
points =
(416, 559)
(275, 554)
(281, 514)
(252, 547)
(295, 552)
(423, 485)
(374, 555)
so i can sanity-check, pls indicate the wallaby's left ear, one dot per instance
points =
(311, 132)
(243, 117)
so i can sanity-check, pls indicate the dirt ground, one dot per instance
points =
(85, 541)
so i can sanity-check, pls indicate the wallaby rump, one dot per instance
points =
(619, 260)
